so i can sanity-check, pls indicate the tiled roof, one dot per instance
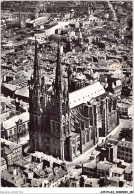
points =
(21, 162)
(126, 144)
(91, 165)
(118, 170)
(46, 157)
(57, 175)
(36, 182)
(61, 173)
(92, 181)
(129, 169)
(124, 105)
(9, 144)
(10, 87)
(23, 92)
(77, 49)
(112, 141)
(7, 176)
(10, 123)
(84, 95)
(102, 165)
(19, 80)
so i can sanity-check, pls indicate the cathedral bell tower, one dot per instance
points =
(36, 97)
(60, 115)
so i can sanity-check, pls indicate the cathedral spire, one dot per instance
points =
(58, 76)
(36, 63)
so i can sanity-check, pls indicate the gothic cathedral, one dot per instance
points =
(49, 127)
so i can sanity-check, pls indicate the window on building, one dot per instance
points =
(74, 150)
(92, 134)
(73, 141)
(87, 136)
(24, 126)
(63, 108)
(83, 139)
(28, 124)
(78, 139)
(78, 147)
(19, 129)
(36, 120)
(10, 132)
(15, 130)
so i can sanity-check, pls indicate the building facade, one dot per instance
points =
(124, 151)
(64, 124)
(10, 151)
(16, 127)
(3, 164)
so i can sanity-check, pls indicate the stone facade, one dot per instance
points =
(61, 123)
(16, 127)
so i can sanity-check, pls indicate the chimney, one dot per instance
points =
(102, 105)
(15, 172)
(114, 104)
(113, 85)
(61, 49)
(105, 160)
(110, 105)
(24, 179)
(13, 77)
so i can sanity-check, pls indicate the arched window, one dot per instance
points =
(78, 147)
(53, 126)
(36, 121)
(63, 108)
(19, 128)
(10, 132)
(92, 134)
(24, 126)
(15, 130)
(24, 129)
(87, 136)
(83, 139)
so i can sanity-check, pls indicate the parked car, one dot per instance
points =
(78, 166)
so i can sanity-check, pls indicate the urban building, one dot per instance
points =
(16, 127)
(128, 175)
(3, 164)
(125, 109)
(114, 86)
(124, 151)
(37, 22)
(57, 127)
(10, 151)
(75, 119)
(113, 149)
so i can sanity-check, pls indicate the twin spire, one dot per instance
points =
(58, 76)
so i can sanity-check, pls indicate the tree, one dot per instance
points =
(126, 133)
